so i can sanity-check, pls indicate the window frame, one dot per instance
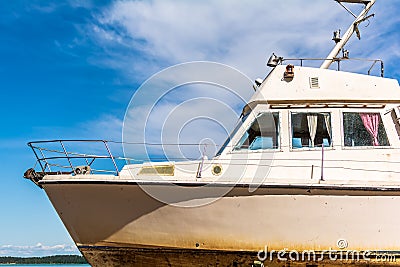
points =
(232, 136)
(305, 148)
(256, 115)
(342, 111)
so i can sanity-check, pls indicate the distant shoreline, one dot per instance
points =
(56, 259)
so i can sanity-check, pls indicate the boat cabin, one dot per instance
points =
(318, 108)
(320, 118)
(316, 126)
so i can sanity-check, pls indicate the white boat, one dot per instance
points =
(309, 177)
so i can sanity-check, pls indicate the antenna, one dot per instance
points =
(340, 43)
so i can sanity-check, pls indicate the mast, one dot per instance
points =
(353, 28)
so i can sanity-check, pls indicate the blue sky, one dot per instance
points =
(69, 68)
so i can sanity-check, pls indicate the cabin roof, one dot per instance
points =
(315, 85)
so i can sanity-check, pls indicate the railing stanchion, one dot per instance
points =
(66, 154)
(37, 157)
(322, 164)
(111, 157)
(46, 165)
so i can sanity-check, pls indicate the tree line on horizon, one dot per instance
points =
(57, 259)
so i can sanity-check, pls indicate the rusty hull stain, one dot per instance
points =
(160, 257)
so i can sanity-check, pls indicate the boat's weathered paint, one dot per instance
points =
(161, 257)
(98, 214)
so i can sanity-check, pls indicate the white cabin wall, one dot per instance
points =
(333, 85)
(337, 129)
(284, 130)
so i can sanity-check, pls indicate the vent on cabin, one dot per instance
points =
(314, 83)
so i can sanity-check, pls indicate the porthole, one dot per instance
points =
(216, 169)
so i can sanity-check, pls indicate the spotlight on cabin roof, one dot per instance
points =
(274, 60)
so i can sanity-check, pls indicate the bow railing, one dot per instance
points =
(63, 157)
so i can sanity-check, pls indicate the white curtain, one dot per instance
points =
(312, 120)
(328, 124)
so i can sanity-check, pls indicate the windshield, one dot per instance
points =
(237, 127)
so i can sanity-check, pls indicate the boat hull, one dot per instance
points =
(116, 224)
(163, 257)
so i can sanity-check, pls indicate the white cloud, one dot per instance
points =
(139, 38)
(81, 3)
(173, 105)
(37, 250)
(155, 34)
(45, 7)
(106, 127)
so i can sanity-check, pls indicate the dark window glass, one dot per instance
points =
(311, 130)
(364, 129)
(262, 134)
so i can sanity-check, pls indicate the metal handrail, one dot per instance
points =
(339, 59)
(39, 149)
(45, 164)
(49, 163)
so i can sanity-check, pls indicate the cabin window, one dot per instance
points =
(262, 134)
(310, 130)
(364, 129)
(239, 124)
